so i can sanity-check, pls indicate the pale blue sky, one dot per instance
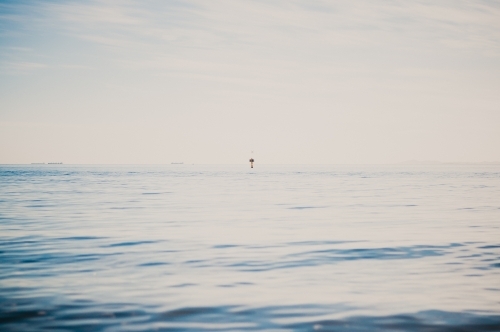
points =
(209, 81)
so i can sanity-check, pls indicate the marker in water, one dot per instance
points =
(251, 162)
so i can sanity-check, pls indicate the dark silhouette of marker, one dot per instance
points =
(251, 162)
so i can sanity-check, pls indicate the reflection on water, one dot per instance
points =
(192, 248)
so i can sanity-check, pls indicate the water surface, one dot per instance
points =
(228, 248)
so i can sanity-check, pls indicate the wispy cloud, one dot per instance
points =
(142, 34)
(221, 23)
(21, 67)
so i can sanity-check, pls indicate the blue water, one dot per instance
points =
(228, 248)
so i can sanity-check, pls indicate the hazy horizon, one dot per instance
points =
(402, 163)
(297, 82)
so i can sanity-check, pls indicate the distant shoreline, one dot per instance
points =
(432, 162)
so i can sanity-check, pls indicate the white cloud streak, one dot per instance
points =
(201, 24)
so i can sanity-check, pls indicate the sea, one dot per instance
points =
(230, 248)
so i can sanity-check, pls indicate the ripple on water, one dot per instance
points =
(210, 248)
(51, 315)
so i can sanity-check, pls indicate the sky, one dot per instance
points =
(207, 82)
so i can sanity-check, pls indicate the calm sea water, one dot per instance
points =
(227, 248)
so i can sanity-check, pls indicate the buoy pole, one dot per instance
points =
(251, 162)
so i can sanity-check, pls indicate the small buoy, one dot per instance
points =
(251, 162)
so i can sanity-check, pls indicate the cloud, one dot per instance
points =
(152, 34)
(21, 67)
(95, 12)
(222, 23)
